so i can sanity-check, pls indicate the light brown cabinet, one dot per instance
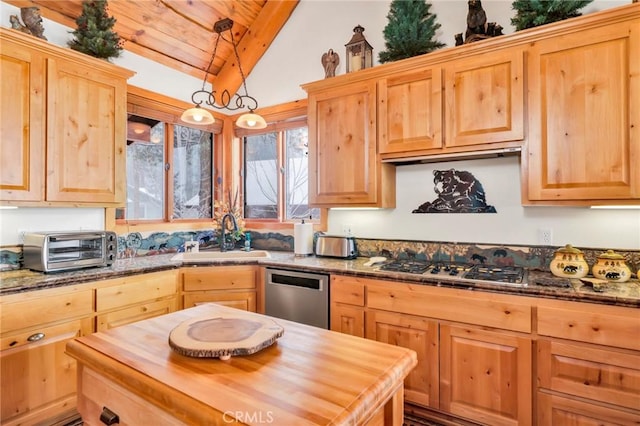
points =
(421, 386)
(475, 103)
(347, 305)
(37, 378)
(484, 96)
(474, 350)
(588, 363)
(229, 285)
(485, 375)
(69, 109)
(410, 111)
(125, 300)
(344, 168)
(584, 104)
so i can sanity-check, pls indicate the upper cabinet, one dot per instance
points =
(410, 111)
(67, 108)
(484, 96)
(567, 95)
(584, 115)
(344, 168)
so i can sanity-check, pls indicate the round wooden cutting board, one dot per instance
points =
(224, 336)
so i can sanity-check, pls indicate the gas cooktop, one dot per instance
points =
(507, 275)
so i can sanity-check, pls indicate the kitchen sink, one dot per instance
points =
(218, 256)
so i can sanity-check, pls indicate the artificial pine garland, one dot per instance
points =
(94, 35)
(410, 30)
(532, 13)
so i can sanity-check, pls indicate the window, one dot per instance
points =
(276, 175)
(170, 166)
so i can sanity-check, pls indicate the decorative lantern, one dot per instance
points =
(359, 51)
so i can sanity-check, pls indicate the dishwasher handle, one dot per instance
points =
(310, 281)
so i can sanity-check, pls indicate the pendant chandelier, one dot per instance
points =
(200, 116)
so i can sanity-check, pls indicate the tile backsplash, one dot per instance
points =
(136, 244)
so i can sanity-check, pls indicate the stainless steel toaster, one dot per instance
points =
(336, 246)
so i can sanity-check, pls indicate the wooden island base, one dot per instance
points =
(309, 376)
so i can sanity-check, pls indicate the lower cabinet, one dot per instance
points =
(347, 305)
(233, 286)
(125, 300)
(37, 378)
(474, 350)
(485, 375)
(588, 364)
(417, 333)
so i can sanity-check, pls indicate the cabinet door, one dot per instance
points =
(558, 410)
(343, 162)
(485, 376)
(38, 379)
(584, 104)
(484, 96)
(86, 134)
(347, 319)
(22, 123)
(410, 111)
(419, 334)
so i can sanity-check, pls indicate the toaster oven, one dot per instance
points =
(61, 251)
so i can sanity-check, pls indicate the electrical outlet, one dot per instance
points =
(545, 236)
(346, 229)
(21, 233)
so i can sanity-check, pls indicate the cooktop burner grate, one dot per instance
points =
(452, 270)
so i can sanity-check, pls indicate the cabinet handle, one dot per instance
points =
(35, 337)
(108, 417)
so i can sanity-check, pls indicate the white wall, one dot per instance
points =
(294, 59)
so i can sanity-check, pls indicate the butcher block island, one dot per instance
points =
(307, 376)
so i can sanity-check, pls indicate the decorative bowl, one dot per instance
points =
(611, 266)
(569, 262)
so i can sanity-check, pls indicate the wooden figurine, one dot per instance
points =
(330, 61)
(477, 26)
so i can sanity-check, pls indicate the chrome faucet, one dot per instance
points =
(224, 245)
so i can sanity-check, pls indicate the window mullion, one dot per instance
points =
(168, 175)
(282, 161)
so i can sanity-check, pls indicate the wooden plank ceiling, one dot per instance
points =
(180, 35)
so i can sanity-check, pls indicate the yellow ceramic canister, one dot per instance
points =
(569, 262)
(611, 266)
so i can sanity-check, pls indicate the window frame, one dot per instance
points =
(145, 103)
(279, 118)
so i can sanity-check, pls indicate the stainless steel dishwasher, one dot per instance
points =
(297, 296)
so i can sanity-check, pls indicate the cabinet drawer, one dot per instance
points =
(484, 309)
(603, 375)
(245, 300)
(557, 410)
(598, 324)
(348, 290)
(219, 278)
(96, 392)
(41, 310)
(135, 289)
(135, 313)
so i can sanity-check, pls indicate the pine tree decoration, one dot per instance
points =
(410, 31)
(94, 35)
(532, 13)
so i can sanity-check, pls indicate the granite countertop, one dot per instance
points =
(540, 284)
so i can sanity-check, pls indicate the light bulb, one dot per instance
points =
(197, 117)
(251, 123)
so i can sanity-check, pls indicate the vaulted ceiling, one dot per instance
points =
(180, 34)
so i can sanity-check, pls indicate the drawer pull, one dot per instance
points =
(108, 417)
(35, 337)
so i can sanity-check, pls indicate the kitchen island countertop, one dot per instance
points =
(309, 376)
(541, 284)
